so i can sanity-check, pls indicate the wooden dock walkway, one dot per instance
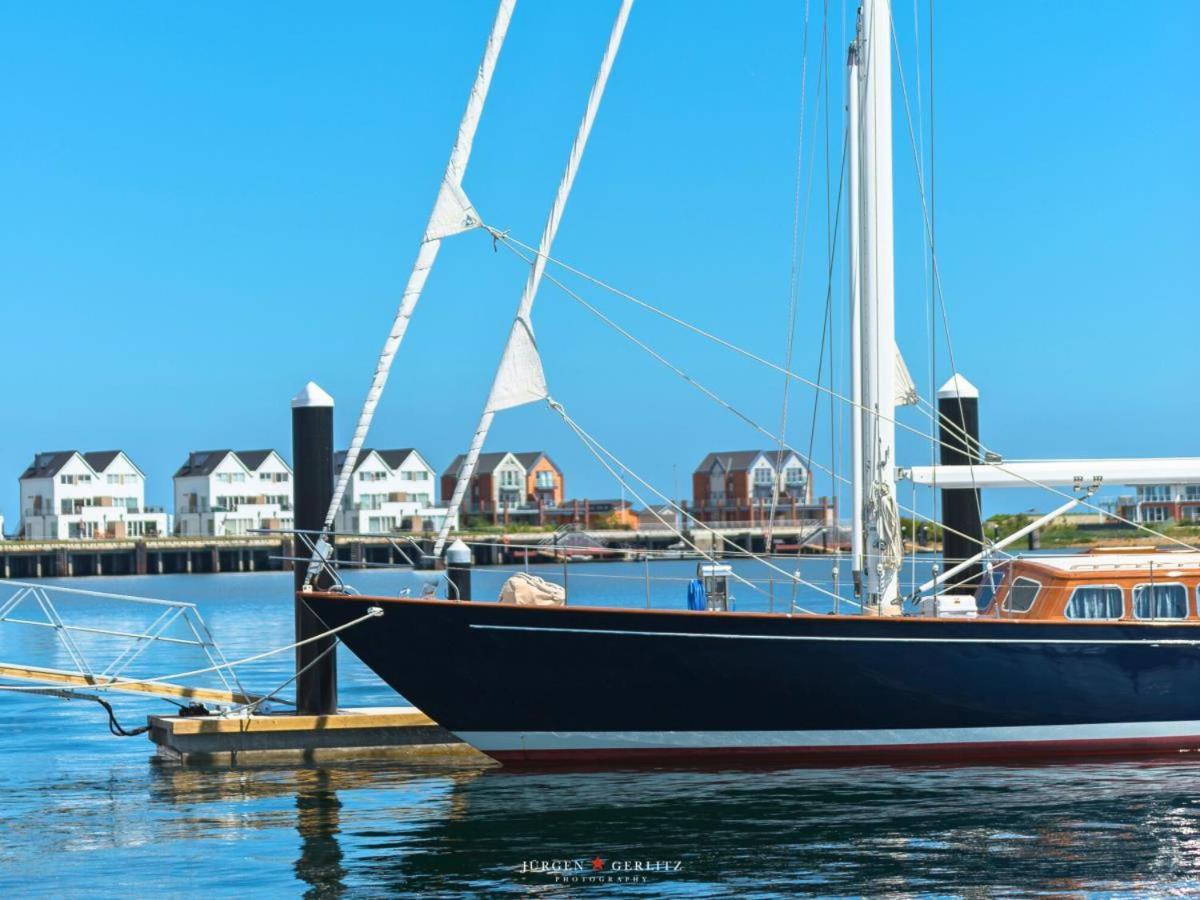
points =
(252, 553)
(63, 678)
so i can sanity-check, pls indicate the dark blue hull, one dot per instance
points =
(544, 684)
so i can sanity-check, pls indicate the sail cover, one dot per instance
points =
(519, 378)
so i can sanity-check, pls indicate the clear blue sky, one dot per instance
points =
(205, 205)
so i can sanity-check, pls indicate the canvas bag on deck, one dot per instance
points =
(524, 589)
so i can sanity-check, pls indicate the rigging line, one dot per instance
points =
(830, 243)
(928, 238)
(594, 448)
(721, 401)
(729, 345)
(827, 323)
(926, 241)
(506, 237)
(255, 704)
(709, 336)
(797, 260)
(426, 256)
(931, 314)
(791, 576)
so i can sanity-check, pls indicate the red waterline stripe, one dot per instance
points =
(967, 752)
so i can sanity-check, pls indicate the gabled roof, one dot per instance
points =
(47, 465)
(530, 458)
(731, 460)
(252, 459)
(741, 460)
(485, 466)
(201, 462)
(393, 459)
(205, 462)
(101, 459)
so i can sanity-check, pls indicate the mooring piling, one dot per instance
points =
(458, 570)
(958, 432)
(312, 455)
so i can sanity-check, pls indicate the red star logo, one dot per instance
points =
(597, 864)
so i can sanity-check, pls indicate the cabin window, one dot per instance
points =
(1160, 601)
(989, 585)
(1102, 601)
(1021, 595)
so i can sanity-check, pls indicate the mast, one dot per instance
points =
(856, 528)
(882, 552)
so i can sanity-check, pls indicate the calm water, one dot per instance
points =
(85, 813)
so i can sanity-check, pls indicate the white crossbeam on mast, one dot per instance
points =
(1057, 472)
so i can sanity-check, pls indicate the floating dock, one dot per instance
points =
(397, 732)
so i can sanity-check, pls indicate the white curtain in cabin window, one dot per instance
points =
(1160, 601)
(1096, 603)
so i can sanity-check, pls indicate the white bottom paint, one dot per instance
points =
(516, 741)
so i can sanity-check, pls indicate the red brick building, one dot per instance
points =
(739, 486)
(508, 484)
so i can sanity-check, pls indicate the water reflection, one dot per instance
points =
(371, 829)
(318, 817)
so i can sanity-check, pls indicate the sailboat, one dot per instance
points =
(1082, 654)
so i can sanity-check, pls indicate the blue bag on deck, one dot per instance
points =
(696, 596)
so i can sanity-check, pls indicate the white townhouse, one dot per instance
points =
(390, 491)
(231, 492)
(66, 495)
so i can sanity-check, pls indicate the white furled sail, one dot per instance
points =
(452, 214)
(513, 378)
(519, 378)
(906, 388)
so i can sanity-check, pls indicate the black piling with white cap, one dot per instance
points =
(458, 570)
(313, 475)
(958, 431)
